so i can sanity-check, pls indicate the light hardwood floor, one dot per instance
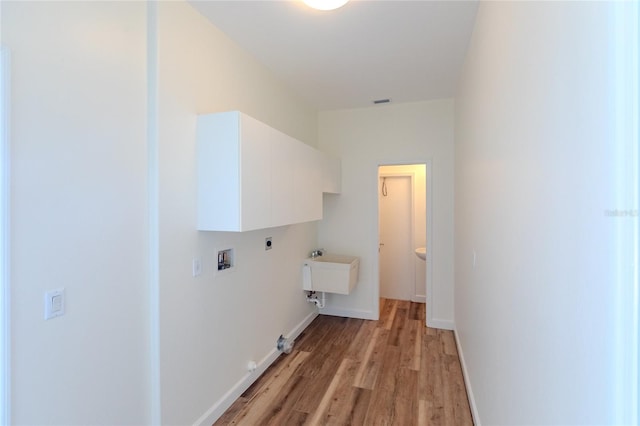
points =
(346, 371)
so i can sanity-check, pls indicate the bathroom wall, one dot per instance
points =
(211, 326)
(364, 139)
(78, 211)
(419, 224)
(541, 269)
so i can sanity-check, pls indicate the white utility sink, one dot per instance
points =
(421, 252)
(330, 273)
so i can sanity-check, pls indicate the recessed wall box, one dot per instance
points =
(226, 259)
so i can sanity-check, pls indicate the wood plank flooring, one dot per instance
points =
(346, 371)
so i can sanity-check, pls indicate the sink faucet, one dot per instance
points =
(316, 253)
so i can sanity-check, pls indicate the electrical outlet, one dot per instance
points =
(268, 244)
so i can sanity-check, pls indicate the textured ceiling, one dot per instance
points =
(402, 50)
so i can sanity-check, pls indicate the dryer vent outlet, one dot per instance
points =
(285, 345)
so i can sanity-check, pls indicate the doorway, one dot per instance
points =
(402, 227)
(5, 417)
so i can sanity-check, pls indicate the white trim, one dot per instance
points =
(441, 323)
(220, 406)
(155, 396)
(626, 109)
(467, 382)
(351, 313)
(419, 299)
(429, 241)
(5, 288)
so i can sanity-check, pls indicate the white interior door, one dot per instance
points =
(396, 262)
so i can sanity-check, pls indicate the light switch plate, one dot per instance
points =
(54, 303)
(196, 267)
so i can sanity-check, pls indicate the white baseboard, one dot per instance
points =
(220, 406)
(440, 323)
(349, 313)
(467, 383)
(419, 299)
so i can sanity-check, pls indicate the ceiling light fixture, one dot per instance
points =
(325, 4)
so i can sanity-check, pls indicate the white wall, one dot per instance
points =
(364, 139)
(80, 203)
(536, 169)
(78, 159)
(211, 326)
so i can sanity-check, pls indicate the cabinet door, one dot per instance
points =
(255, 175)
(282, 180)
(218, 172)
(307, 191)
(331, 173)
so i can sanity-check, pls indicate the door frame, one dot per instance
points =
(429, 237)
(5, 290)
(627, 104)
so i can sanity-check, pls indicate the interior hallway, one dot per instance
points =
(346, 371)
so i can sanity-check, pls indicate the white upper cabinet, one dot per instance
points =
(251, 176)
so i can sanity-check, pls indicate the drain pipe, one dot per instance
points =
(312, 297)
(284, 344)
